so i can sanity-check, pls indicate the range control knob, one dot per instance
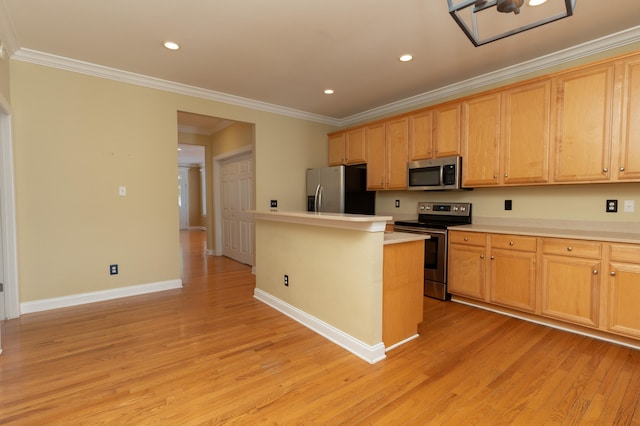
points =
(455, 208)
(463, 209)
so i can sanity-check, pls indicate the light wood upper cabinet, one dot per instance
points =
(447, 129)
(336, 149)
(347, 147)
(355, 147)
(582, 123)
(376, 156)
(481, 140)
(421, 136)
(397, 149)
(628, 166)
(525, 139)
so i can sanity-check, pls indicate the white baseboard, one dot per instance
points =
(97, 296)
(371, 354)
(211, 252)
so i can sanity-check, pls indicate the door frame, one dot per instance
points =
(217, 192)
(8, 206)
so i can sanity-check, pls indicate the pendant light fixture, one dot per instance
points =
(485, 21)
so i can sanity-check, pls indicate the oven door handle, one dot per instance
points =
(421, 230)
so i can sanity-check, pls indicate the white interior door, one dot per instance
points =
(237, 200)
(183, 196)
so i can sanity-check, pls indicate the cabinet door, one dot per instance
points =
(570, 289)
(421, 136)
(513, 279)
(466, 271)
(376, 153)
(336, 149)
(581, 114)
(355, 151)
(525, 133)
(397, 144)
(446, 130)
(624, 298)
(480, 140)
(628, 166)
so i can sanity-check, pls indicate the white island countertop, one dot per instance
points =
(356, 222)
(403, 237)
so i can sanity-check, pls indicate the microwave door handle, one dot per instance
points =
(441, 175)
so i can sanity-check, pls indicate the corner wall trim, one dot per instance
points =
(371, 354)
(97, 296)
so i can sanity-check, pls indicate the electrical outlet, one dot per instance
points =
(286, 280)
(508, 204)
(397, 203)
(113, 269)
(612, 206)
(274, 204)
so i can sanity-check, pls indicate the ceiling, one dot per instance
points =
(286, 52)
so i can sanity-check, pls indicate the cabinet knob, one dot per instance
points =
(595, 272)
(569, 248)
(612, 273)
(482, 256)
(495, 177)
(622, 169)
(510, 243)
(466, 238)
(605, 170)
(492, 257)
(506, 175)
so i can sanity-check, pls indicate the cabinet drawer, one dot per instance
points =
(470, 238)
(574, 248)
(513, 242)
(625, 253)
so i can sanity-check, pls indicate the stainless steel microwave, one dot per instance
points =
(438, 174)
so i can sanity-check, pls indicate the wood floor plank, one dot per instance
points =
(210, 353)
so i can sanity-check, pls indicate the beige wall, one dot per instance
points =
(4, 79)
(334, 274)
(558, 202)
(77, 138)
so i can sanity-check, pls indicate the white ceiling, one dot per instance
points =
(285, 52)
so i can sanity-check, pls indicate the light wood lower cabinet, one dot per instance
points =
(586, 283)
(623, 290)
(512, 266)
(571, 271)
(467, 264)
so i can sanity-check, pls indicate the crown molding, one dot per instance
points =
(577, 52)
(54, 61)
(603, 44)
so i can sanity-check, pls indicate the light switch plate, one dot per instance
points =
(629, 206)
(122, 191)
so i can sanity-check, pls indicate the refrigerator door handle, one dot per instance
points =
(316, 199)
(320, 192)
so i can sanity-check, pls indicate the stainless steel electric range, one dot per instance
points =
(434, 219)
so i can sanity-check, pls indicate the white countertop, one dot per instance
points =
(595, 231)
(403, 237)
(357, 222)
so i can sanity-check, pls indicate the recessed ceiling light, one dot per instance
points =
(328, 92)
(536, 2)
(406, 58)
(171, 45)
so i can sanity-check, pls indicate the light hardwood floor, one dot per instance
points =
(211, 354)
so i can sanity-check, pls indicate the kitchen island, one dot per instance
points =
(327, 271)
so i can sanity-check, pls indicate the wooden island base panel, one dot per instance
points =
(347, 279)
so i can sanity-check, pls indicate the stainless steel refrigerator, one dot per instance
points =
(339, 189)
